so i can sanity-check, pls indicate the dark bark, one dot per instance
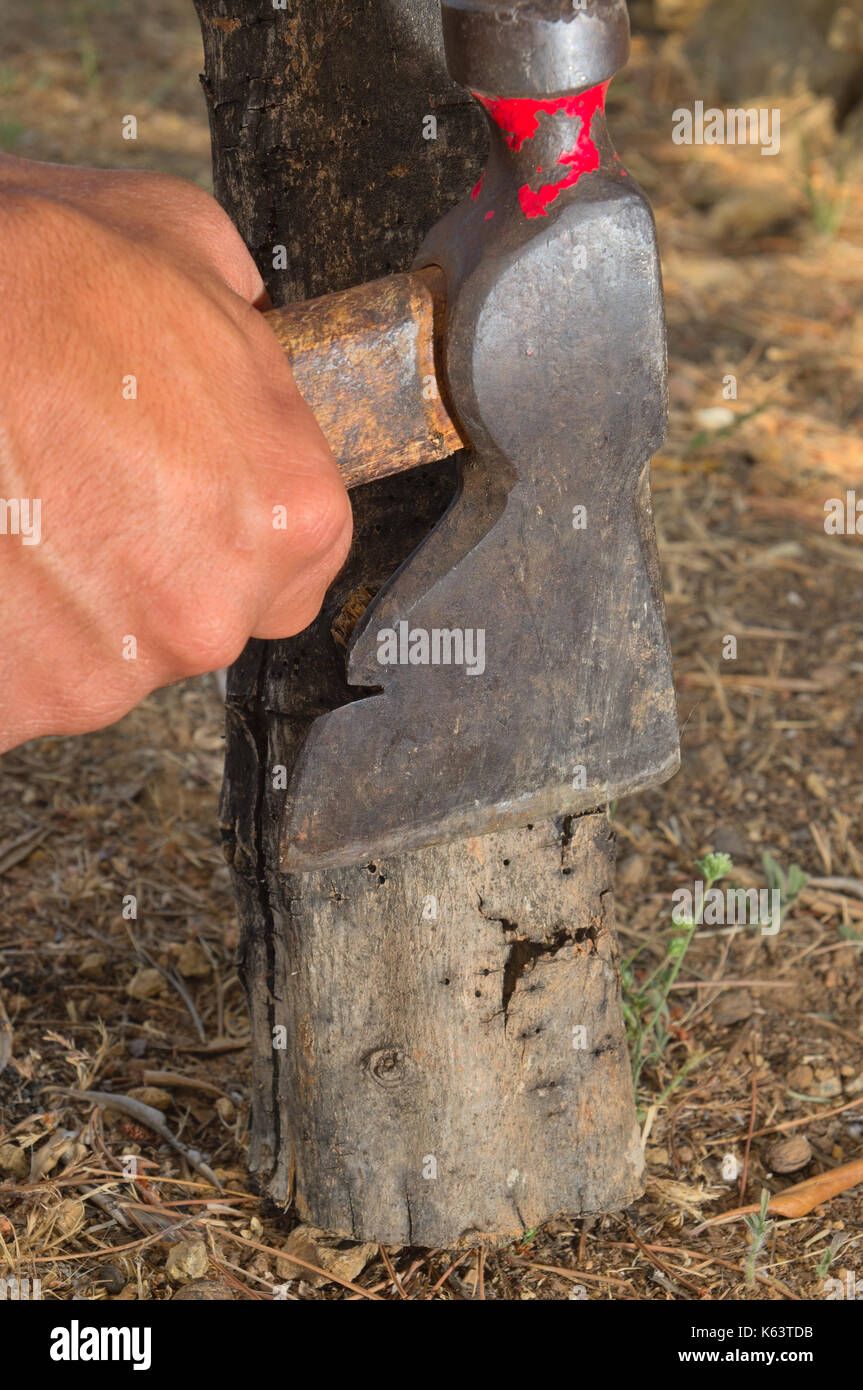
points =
(408, 1037)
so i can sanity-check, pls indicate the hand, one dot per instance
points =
(178, 493)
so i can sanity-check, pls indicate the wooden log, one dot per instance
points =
(371, 1072)
(455, 1063)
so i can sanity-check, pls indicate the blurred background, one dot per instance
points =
(763, 267)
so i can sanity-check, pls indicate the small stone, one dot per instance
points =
(192, 962)
(92, 965)
(313, 1245)
(152, 1095)
(68, 1217)
(827, 1089)
(800, 1077)
(732, 1006)
(202, 1291)
(816, 785)
(14, 1161)
(226, 1110)
(187, 1260)
(853, 1088)
(786, 1155)
(112, 1279)
(299, 1243)
(715, 417)
(145, 983)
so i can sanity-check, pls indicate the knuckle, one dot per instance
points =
(321, 519)
(207, 631)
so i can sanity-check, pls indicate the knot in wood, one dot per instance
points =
(388, 1066)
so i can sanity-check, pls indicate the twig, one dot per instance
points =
(188, 1083)
(744, 1171)
(447, 1272)
(841, 885)
(397, 1283)
(5, 1036)
(574, 1275)
(792, 1124)
(654, 1259)
(151, 1119)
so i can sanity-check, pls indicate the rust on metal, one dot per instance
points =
(366, 361)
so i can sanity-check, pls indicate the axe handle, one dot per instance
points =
(367, 362)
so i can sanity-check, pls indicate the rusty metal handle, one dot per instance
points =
(366, 361)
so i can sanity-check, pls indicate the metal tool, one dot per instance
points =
(520, 651)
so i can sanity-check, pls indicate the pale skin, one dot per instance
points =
(190, 509)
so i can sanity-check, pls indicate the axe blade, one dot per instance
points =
(521, 651)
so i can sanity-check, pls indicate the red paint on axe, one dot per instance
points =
(518, 118)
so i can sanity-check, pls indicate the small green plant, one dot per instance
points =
(646, 1011)
(849, 934)
(91, 62)
(832, 1251)
(789, 886)
(759, 1228)
(827, 208)
(702, 437)
(10, 134)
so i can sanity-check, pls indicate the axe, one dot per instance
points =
(519, 656)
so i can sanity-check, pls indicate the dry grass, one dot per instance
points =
(151, 1009)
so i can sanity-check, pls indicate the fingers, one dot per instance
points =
(194, 501)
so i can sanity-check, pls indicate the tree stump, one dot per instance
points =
(438, 1046)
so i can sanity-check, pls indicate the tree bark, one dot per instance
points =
(438, 1047)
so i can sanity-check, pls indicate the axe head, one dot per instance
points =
(520, 651)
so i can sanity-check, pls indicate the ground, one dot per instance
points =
(763, 267)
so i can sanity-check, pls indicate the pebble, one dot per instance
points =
(187, 1260)
(732, 1006)
(800, 1077)
(145, 983)
(787, 1154)
(715, 417)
